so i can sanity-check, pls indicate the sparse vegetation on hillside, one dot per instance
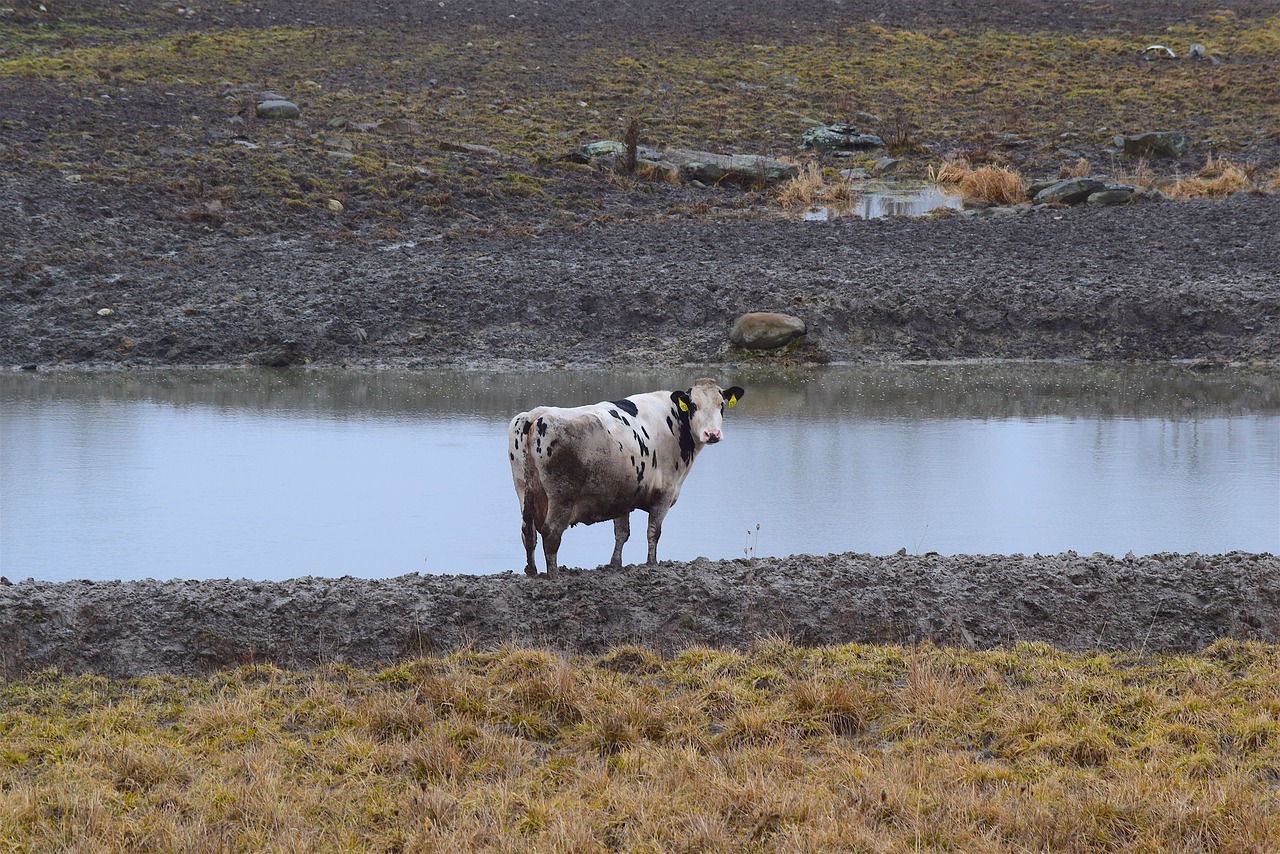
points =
(153, 106)
(785, 748)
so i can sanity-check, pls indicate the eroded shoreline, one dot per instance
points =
(1157, 603)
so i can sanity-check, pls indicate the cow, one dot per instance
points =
(588, 464)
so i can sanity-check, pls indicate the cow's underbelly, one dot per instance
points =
(600, 505)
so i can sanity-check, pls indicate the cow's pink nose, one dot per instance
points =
(711, 436)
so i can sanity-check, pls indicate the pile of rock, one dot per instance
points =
(702, 168)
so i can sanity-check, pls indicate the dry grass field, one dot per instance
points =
(853, 748)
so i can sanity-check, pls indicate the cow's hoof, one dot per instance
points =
(531, 571)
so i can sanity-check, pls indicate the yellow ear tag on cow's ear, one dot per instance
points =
(684, 407)
(733, 398)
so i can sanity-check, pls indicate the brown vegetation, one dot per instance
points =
(854, 748)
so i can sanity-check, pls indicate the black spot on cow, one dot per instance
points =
(671, 425)
(685, 435)
(513, 457)
(640, 474)
(645, 432)
(644, 449)
(627, 406)
(542, 426)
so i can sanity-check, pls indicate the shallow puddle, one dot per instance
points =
(277, 474)
(878, 199)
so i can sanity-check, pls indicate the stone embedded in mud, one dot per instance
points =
(695, 167)
(1156, 144)
(1071, 191)
(766, 330)
(839, 137)
(406, 127)
(711, 168)
(278, 110)
(1112, 196)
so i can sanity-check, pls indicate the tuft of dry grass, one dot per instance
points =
(1082, 168)
(984, 185)
(811, 188)
(782, 748)
(1217, 179)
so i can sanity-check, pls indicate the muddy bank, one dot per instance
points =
(1192, 280)
(1159, 603)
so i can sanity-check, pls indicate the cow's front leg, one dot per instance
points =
(656, 515)
(621, 531)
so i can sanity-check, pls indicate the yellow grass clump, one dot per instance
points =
(985, 185)
(810, 188)
(851, 748)
(1216, 180)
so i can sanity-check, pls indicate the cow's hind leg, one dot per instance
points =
(552, 530)
(621, 531)
(530, 535)
(550, 546)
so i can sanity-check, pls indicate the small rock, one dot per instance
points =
(887, 165)
(334, 205)
(278, 109)
(1111, 196)
(765, 330)
(106, 312)
(857, 174)
(282, 355)
(470, 148)
(406, 127)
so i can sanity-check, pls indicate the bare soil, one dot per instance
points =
(96, 274)
(1159, 603)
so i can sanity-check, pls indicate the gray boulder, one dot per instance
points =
(711, 168)
(278, 109)
(765, 330)
(839, 137)
(700, 168)
(1071, 191)
(1155, 144)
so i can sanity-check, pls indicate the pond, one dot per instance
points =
(277, 474)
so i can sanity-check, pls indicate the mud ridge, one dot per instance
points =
(1157, 603)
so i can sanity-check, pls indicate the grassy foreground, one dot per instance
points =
(854, 748)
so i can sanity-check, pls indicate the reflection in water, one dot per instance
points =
(273, 474)
(877, 199)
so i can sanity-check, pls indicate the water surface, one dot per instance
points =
(277, 474)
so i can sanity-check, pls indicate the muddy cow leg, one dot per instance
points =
(656, 515)
(621, 531)
(552, 530)
(530, 536)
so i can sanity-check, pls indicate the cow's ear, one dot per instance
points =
(682, 400)
(733, 395)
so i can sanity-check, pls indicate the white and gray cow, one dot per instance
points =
(587, 464)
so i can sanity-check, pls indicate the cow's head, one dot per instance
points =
(703, 408)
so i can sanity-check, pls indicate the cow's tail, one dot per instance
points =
(524, 471)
